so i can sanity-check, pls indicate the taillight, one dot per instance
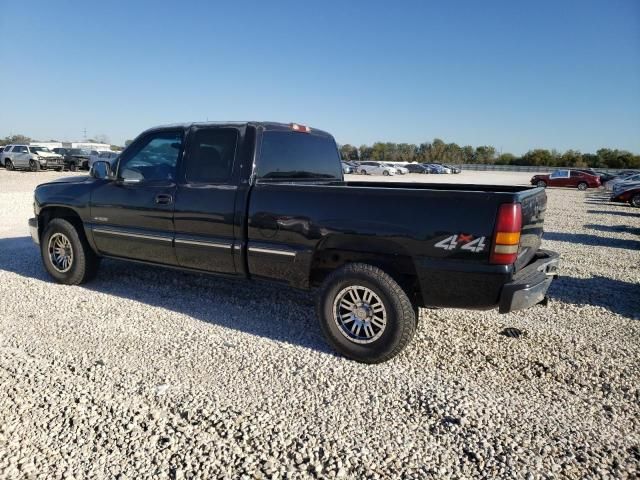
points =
(506, 237)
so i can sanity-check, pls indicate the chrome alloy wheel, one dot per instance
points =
(60, 252)
(359, 314)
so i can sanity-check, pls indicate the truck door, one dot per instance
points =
(205, 200)
(132, 216)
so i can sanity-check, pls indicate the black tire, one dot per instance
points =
(582, 186)
(541, 183)
(363, 172)
(8, 164)
(59, 169)
(73, 167)
(34, 165)
(401, 315)
(85, 262)
(385, 173)
(635, 200)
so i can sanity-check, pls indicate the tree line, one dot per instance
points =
(438, 151)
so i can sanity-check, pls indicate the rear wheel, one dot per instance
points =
(635, 200)
(34, 165)
(8, 164)
(66, 254)
(582, 186)
(541, 183)
(365, 314)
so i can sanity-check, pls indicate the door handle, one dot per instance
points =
(164, 199)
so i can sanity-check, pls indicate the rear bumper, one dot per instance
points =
(33, 230)
(529, 286)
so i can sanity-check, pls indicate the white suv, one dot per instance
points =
(32, 157)
(376, 168)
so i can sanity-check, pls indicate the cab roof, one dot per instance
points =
(267, 126)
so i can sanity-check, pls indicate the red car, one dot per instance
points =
(630, 196)
(567, 178)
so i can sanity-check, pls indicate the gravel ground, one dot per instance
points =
(152, 373)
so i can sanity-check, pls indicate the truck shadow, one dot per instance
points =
(592, 240)
(616, 296)
(613, 212)
(260, 309)
(613, 228)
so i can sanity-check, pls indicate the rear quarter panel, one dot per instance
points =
(408, 222)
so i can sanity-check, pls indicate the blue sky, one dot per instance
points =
(516, 75)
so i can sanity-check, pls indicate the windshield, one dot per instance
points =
(40, 149)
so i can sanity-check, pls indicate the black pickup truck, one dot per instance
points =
(259, 200)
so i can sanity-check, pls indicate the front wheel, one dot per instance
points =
(635, 200)
(363, 172)
(582, 186)
(385, 173)
(542, 184)
(66, 254)
(73, 167)
(8, 164)
(365, 314)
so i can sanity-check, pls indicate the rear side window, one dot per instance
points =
(211, 155)
(295, 155)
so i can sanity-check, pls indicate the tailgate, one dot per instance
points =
(534, 206)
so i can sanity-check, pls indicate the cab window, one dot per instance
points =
(293, 155)
(211, 155)
(154, 158)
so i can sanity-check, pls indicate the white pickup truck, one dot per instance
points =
(30, 157)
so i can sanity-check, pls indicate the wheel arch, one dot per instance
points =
(333, 252)
(50, 212)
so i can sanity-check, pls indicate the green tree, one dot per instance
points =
(571, 158)
(469, 154)
(18, 138)
(348, 152)
(538, 156)
(485, 154)
(505, 159)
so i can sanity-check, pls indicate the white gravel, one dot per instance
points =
(152, 373)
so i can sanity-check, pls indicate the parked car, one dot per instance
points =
(106, 155)
(449, 167)
(630, 195)
(632, 181)
(622, 180)
(375, 252)
(376, 168)
(29, 157)
(400, 169)
(566, 178)
(417, 168)
(74, 158)
(346, 168)
(436, 168)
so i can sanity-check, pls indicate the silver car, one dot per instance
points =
(30, 157)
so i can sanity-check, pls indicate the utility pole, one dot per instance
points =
(84, 134)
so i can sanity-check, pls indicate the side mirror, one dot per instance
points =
(101, 170)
